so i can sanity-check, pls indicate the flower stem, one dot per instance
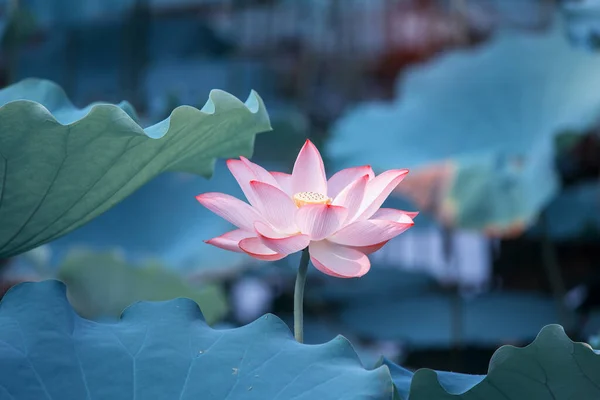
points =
(299, 296)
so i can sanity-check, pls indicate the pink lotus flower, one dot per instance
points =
(340, 219)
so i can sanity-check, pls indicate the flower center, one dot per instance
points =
(304, 198)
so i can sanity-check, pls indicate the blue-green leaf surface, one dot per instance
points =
(551, 368)
(165, 350)
(61, 166)
(186, 224)
(479, 112)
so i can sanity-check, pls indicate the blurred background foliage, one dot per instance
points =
(493, 104)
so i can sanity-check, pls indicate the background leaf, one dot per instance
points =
(477, 121)
(499, 193)
(101, 285)
(62, 166)
(166, 351)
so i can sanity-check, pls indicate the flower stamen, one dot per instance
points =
(304, 198)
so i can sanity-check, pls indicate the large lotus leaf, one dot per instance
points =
(583, 22)
(500, 97)
(165, 350)
(551, 368)
(102, 285)
(63, 166)
(426, 320)
(502, 101)
(141, 228)
(320, 330)
(178, 242)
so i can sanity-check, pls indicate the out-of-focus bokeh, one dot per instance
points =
(494, 105)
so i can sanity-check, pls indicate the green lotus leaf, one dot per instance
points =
(476, 127)
(551, 368)
(165, 350)
(61, 166)
(102, 285)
